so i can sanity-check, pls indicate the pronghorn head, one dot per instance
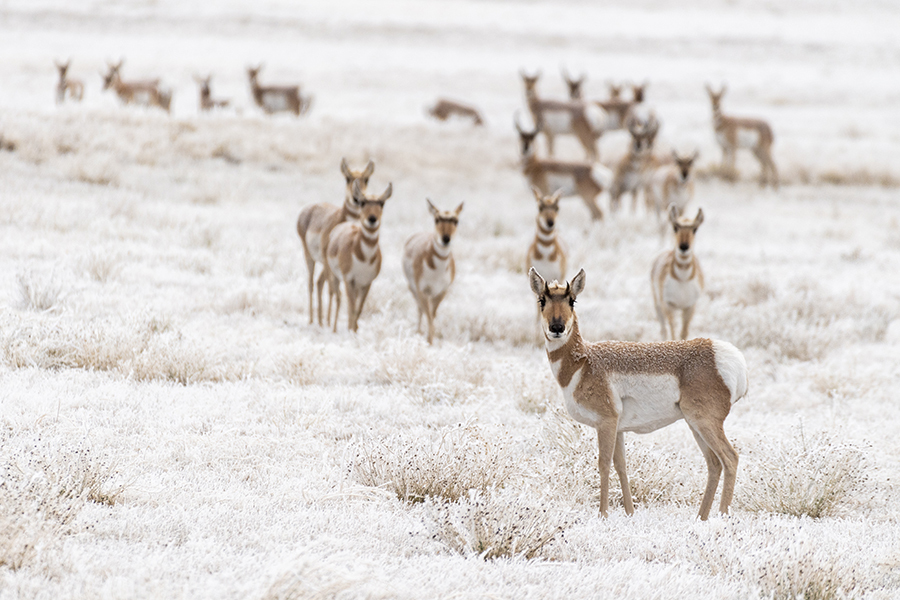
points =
(526, 139)
(637, 92)
(112, 75)
(615, 91)
(643, 133)
(574, 85)
(370, 207)
(684, 163)
(445, 222)
(556, 303)
(355, 175)
(253, 73)
(716, 97)
(204, 82)
(62, 68)
(530, 81)
(685, 230)
(548, 208)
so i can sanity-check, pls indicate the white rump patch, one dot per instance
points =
(646, 402)
(732, 369)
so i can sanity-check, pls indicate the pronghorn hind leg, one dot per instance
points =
(619, 463)
(337, 304)
(311, 270)
(319, 285)
(713, 472)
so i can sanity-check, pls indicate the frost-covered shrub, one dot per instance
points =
(38, 291)
(805, 476)
(446, 465)
(499, 524)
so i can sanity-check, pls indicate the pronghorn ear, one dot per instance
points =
(556, 195)
(698, 219)
(387, 193)
(356, 192)
(695, 155)
(459, 208)
(345, 170)
(576, 286)
(673, 214)
(537, 193)
(432, 209)
(370, 168)
(538, 285)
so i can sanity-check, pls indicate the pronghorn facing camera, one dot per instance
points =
(353, 254)
(676, 277)
(633, 169)
(444, 109)
(555, 117)
(570, 179)
(574, 85)
(74, 88)
(429, 266)
(672, 184)
(736, 132)
(617, 387)
(277, 98)
(145, 92)
(207, 102)
(547, 254)
(314, 226)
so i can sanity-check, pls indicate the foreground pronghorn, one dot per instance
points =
(555, 117)
(145, 92)
(428, 264)
(353, 254)
(569, 178)
(676, 277)
(277, 98)
(633, 169)
(547, 254)
(735, 132)
(444, 109)
(671, 184)
(314, 227)
(641, 387)
(73, 87)
(207, 102)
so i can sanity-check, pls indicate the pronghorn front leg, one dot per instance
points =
(319, 285)
(606, 441)
(361, 295)
(337, 305)
(619, 463)
(686, 316)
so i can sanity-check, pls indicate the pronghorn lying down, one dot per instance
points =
(353, 254)
(676, 277)
(428, 264)
(444, 109)
(314, 227)
(616, 387)
(671, 184)
(73, 87)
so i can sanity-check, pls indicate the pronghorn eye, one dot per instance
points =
(543, 302)
(572, 302)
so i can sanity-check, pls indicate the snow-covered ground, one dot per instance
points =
(171, 426)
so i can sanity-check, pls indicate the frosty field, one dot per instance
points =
(172, 427)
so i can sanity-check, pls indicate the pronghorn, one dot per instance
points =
(272, 99)
(353, 254)
(633, 168)
(547, 254)
(555, 117)
(671, 184)
(73, 87)
(207, 102)
(574, 85)
(735, 132)
(429, 266)
(641, 387)
(571, 179)
(146, 92)
(676, 277)
(444, 109)
(314, 227)
(617, 110)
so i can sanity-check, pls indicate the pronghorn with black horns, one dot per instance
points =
(314, 227)
(428, 264)
(586, 180)
(676, 277)
(353, 253)
(619, 387)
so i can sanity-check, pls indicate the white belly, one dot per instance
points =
(557, 121)
(646, 402)
(558, 181)
(548, 269)
(143, 97)
(435, 281)
(679, 294)
(275, 102)
(747, 138)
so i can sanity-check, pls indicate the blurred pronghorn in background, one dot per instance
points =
(147, 92)
(277, 98)
(207, 102)
(676, 277)
(73, 88)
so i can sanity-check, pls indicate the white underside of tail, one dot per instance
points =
(732, 369)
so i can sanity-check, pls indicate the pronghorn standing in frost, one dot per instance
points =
(556, 117)
(145, 92)
(676, 277)
(277, 98)
(314, 227)
(73, 87)
(547, 254)
(207, 102)
(671, 184)
(735, 132)
(632, 171)
(354, 256)
(617, 387)
(428, 264)
(616, 109)
(569, 178)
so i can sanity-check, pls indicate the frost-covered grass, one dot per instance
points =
(171, 426)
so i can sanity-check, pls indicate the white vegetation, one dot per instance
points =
(171, 427)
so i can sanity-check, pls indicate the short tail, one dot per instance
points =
(732, 369)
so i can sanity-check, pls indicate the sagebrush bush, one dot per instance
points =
(447, 464)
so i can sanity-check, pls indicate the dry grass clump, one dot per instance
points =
(39, 292)
(446, 465)
(815, 476)
(412, 364)
(499, 524)
(311, 579)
